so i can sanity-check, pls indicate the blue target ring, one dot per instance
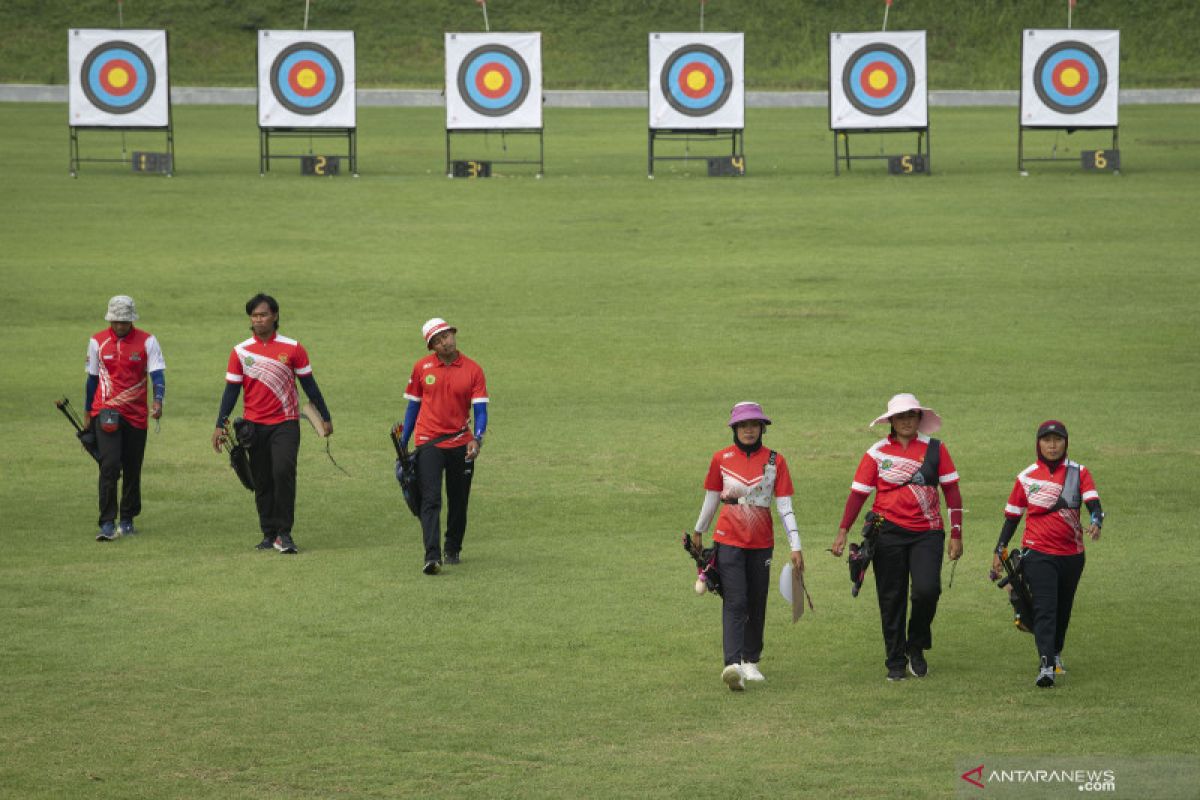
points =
(118, 77)
(306, 78)
(493, 80)
(696, 80)
(878, 79)
(1070, 77)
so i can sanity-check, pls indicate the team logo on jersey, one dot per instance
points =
(1035, 487)
(431, 379)
(248, 360)
(136, 357)
(886, 463)
(283, 358)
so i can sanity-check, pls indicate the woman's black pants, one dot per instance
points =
(1052, 581)
(902, 556)
(745, 581)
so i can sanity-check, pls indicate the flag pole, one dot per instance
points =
(703, 3)
(886, 8)
(486, 25)
(1070, 8)
(306, 2)
(120, 13)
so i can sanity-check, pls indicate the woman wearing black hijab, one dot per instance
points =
(1049, 493)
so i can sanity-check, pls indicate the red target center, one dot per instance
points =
(1070, 77)
(118, 77)
(306, 78)
(696, 80)
(878, 79)
(493, 80)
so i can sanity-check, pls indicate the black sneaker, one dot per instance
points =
(126, 527)
(1045, 678)
(453, 558)
(432, 567)
(268, 543)
(285, 545)
(108, 532)
(896, 674)
(917, 664)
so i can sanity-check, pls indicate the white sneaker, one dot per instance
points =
(751, 673)
(733, 677)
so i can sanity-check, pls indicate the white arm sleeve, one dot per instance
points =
(784, 506)
(92, 367)
(707, 511)
(154, 356)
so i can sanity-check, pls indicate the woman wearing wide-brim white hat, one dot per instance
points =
(904, 471)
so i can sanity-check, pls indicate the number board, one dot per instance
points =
(727, 167)
(151, 162)
(320, 166)
(1108, 160)
(906, 165)
(472, 169)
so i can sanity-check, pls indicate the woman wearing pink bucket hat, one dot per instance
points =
(904, 471)
(741, 481)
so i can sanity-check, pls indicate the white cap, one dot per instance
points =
(433, 327)
(121, 309)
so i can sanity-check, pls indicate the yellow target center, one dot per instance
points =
(1070, 77)
(118, 78)
(696, 80)
(493, 80)
(306, 78)
(878, 79)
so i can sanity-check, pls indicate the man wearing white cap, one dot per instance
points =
(445, 387)
(121, 361)
(905, 471)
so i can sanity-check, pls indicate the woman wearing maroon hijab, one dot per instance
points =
(1049, 494)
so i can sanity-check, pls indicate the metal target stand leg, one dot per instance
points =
(265, 156)
(1022, 159)
(75, 158)
(841, 154)
(737, 143)
(540, 161)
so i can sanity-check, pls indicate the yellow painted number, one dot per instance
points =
(319, 166)
(906, 164)
(473, 169)
(1099, 160)
(739, 164)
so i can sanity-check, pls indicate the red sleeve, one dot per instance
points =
(300, 364)
(415, 387)
(713, 482)
(234, 368)
(954, 503)
(1087, 486)
(854, 504)
(1017, 501)
(783, 479)
(865, 476)
(479, 386)
(947, 473)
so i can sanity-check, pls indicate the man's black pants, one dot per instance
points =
(121, 454)
(273, 453)
(745, 581)
(900, 556)
(431, 463)
(1052, 582)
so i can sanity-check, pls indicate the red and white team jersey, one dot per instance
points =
(123, 365)
(740, 477)
(884, 469)
(446, 393)
(1056, 532)
(268, 372)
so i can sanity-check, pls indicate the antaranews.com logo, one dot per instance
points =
(1174, 776)
(1083, 780)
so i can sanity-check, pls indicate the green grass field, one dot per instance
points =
(602, 45)
(618, 319)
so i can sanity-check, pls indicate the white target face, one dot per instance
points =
(877, 80)
(1069, 78)
(696, 81)
(493, 80)
(306, 79)
(118, 78)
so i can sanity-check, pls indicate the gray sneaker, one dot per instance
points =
(107, 533)
(285, 545)
(432, 567)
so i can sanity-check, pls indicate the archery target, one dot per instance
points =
(493, 80)
(306, 79)
(696, 80)
(877, 80)
(1069, 78)
(118, 78)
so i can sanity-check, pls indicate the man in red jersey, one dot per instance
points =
(443, 390)
(121, 361)
(267, 367)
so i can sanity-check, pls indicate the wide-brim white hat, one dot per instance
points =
(930, 421)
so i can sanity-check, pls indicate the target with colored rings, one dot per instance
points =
(878, 79)
(1070, 77)
(118, 77)
(307, 78)
(696, 80)
(493, 80)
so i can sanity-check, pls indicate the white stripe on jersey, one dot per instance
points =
(275, 376)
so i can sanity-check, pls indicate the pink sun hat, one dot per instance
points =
(744, 411)
(433, 327)
(930, 421)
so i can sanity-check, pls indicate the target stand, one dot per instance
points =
(540, 161)
(714, 136)
(920, 162)
(119, 83)
(1070, 81)
(265, 156)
